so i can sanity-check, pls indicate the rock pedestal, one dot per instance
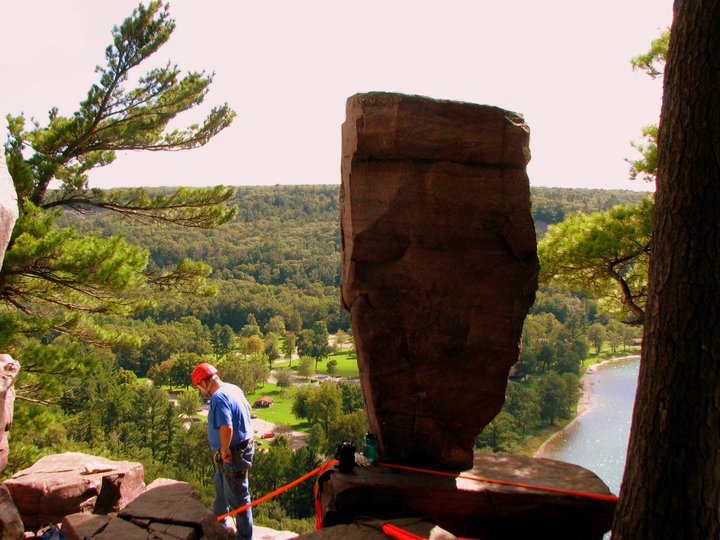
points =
(475, 509)
(439, 267)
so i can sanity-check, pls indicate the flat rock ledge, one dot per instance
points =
(470, 508)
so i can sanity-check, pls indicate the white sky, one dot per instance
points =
(288, 66)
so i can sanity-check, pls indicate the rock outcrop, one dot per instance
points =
(92, 497)
(475, 509)
(8, 207)
(62, 484)
(9, 370)
(439, 267)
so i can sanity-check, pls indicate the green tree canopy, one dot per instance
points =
(604, 254)
(55, 278)
(314, 342)
(653, 63)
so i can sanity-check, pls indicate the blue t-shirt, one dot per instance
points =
(228, 407)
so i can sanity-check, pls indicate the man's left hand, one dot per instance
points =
(226, 455)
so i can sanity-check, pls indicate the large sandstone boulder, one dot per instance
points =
(439, 266)
(61, 484)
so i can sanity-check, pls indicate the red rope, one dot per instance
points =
(394, 531)
(505, 483)
(278, 491)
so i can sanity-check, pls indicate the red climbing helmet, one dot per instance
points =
(201, 372)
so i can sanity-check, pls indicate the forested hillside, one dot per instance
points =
(552, 205)
(281, 255)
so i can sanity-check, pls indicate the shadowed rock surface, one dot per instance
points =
(439, 267)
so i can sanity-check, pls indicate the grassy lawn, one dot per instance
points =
(281, 410)
(346, 364)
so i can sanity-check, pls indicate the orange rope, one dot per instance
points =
(506, 483)
(279, 490)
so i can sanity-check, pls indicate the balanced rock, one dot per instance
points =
(439, 266)
(61, 484)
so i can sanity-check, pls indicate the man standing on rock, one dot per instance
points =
(230, 435)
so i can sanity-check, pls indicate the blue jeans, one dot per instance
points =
(232, 489)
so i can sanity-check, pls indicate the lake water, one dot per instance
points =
(598, 439)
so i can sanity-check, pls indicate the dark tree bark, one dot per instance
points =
(671, 487)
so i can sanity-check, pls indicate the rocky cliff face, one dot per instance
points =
(439, 266)
(9, 368)
(8, 207)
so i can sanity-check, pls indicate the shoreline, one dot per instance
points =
(585, 399)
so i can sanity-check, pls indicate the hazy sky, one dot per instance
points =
(287, 68)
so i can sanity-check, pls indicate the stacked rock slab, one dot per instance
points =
(439, 266)
(168, 510)
(62, 484)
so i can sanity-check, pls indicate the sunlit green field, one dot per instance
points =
(280, 412)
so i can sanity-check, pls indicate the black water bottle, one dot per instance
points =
(346, 457)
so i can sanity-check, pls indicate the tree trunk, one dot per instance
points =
(671, 487)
